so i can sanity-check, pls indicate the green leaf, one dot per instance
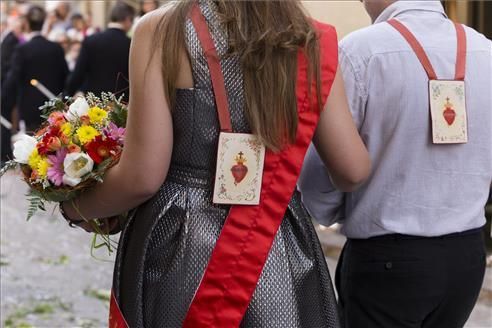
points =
(35, 203)
(53, 105)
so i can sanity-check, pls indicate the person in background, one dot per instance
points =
(57, 22)
(80, 29)
(415, 253)
(102, 64)
(145, 6)
(72, 54)
(38, 59)
(13, 36)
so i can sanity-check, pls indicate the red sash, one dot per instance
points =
(116, 319)
(242, 249)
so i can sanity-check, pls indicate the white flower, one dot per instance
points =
(23, 148)
(76, 165)
(79, 108)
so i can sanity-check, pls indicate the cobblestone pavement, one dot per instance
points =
(49, 279)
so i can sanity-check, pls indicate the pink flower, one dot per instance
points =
(56, 118)
(56, 171)
(114, 132)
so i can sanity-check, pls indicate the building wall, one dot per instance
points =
(345, 15)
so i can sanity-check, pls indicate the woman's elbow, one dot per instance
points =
(144, 188)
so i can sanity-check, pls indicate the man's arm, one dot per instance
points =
(322, 200)
(77, 78)
(9, 88)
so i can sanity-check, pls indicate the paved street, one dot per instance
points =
(49, 279)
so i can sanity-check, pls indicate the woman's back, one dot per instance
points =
(166, 246)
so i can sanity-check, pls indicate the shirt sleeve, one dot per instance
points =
(355, 88)
(322, 200)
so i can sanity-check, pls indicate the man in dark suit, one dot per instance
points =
(37, 59)
(7, 46)
(103, 60)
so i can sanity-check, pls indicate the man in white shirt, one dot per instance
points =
(414, 256)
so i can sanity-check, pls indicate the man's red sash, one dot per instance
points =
(422, 56)
(242, 249)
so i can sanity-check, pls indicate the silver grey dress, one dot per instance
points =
(165, 247)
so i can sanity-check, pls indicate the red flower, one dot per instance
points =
(47, 143)
(100, 149)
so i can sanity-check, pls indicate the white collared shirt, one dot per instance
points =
(416, 187)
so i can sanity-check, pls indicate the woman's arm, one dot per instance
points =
(148, 141)
(338, 142)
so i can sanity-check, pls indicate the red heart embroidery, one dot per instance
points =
(449, 115)
(239, 170)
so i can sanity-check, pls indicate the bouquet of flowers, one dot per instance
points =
(79, 141)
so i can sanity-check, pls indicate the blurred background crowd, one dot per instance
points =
(59, 44)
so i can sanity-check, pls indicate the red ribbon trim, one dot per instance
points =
(213, 62)
(424, 59)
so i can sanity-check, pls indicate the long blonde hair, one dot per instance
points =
(266, 35)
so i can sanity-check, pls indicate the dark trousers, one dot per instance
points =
(405, 281)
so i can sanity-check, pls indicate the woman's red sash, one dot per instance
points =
(242, 249)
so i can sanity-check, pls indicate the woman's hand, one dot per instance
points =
(110, 226)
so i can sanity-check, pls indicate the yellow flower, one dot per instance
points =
(86, 134)
(66, 129)
(42, 168)
(34, 159)
(97, 115)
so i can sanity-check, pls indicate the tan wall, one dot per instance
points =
(345, 15)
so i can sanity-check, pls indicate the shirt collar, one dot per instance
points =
(115, 25)
(399, 7)
(32, 35)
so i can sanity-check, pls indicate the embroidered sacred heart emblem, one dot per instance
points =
(449, 113)
(239, 171)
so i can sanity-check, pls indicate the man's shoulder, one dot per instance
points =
(108, 35)
(10, 39)
(477, 41)
(367, 41)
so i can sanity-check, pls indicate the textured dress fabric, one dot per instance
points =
(166, 244)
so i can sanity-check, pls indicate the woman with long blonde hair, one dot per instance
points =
(199, 68)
